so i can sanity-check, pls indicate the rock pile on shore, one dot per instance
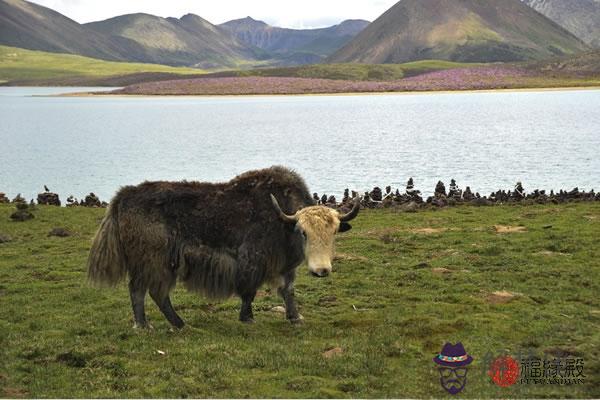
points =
(48, 199)
(53, 199)
(411, 199)
(23, 212)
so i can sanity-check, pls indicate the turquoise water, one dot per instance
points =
(489, 141)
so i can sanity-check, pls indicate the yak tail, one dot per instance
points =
(106, 263)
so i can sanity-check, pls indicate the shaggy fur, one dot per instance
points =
(218, 239)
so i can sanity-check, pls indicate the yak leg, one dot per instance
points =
(137, 292)
(163, 301)
(287, 292)
(246, 314)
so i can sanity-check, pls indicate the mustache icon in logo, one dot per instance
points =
(452, 365)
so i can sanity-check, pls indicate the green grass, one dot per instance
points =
(354, 72)
(42, 68)
(384, 305)
(28, 65)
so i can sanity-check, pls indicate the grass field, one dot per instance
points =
(403, 284)
(352, 72)
(40, 67)
(20, 66)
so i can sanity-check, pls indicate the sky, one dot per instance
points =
(289, 14)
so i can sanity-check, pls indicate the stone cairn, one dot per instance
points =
(410, 200)
(48, 198)
(52, 199)
(23, 212)
(91, 200)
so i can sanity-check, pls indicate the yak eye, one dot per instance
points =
(298, 229)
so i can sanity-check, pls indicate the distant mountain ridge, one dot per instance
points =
(580, 17)
(459, 30)
(189, 41)
(30, 26)
(284, 41)
(453, 30)
(186, 41)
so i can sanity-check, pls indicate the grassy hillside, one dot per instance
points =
(27, 66)
(465, 31)
(28, 25)
(353, 72)
(403, 285)
(187, 41)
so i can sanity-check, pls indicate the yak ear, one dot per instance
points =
(344, 227)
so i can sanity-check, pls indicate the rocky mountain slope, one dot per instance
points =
(581, 17)
(459, 30)
(287, 42)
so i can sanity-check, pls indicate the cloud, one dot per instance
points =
(305, 14)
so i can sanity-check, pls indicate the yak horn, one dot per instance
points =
(353, 213)
(284, 217)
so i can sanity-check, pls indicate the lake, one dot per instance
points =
(489, 141)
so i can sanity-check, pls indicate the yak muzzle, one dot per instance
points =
(320, 272)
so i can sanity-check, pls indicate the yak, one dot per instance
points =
(218, 239)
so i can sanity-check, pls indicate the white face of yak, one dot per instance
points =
(318, 225)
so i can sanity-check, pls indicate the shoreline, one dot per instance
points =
(389, 197)
(376, 93)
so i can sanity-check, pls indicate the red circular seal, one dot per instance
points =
(504, 371)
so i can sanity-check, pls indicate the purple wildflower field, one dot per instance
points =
(480, 78)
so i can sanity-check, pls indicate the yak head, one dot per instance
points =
(318, 226)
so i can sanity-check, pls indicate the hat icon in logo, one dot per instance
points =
(452, 365)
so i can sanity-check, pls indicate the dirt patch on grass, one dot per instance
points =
(509, 229)
(429, 231)
(72, 359)
(591, 217)
(563, 352)
(549, 253)
(349, 257)
(501, 297)
(9, 392)
(327, 301)
(60, 232)
(336, 351)
(441, 271)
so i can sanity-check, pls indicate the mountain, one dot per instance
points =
(187, 41)
(309, 45)
(459, 30)
(190, 40)
(30, 26)
(580, 17)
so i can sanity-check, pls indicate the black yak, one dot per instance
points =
(219, 239)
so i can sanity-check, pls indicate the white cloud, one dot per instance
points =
(297, 14)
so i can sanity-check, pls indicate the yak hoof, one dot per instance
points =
(176, 329)
(298, 320)
(248, 321)
(145, 326)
